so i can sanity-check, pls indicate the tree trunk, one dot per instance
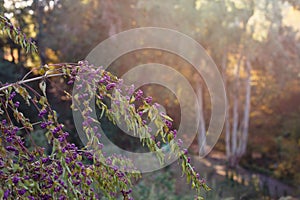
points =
(235, 120)
(227, 119)
(201, 128)
(245, 123)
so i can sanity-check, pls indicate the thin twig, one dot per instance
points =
(28, 73)
(32, 79)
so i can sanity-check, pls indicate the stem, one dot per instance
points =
(31, 79)
(5, 109)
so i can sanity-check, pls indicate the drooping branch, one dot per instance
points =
(16, 35)
(31, 80)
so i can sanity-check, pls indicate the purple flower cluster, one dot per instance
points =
(15, 180)
(12, 95)
(56, 129)
(73, 75)
(148, 99)
(6, 194)
(11, 134)
(168, 123)
(42, 113)
(67, 171)
(12, 149)
(110, 86)
(45, 124)
(139, 94)
(17, 104)
(104, 79)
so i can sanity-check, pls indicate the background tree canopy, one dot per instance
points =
(254, 43)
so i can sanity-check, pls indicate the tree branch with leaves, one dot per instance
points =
(69, 172)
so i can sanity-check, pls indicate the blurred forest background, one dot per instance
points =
(254, 43)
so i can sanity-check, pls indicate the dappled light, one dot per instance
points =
(139, 99)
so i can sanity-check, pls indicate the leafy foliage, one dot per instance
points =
(16, 35)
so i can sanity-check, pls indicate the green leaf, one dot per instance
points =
(1, 194)
(167, 117)
(170, 137)
(42, 86)
(206, 187)
(55, 115)
(188, 178)
(1, 112)
(27, 48)
(24, 93)
(48, 136)
(43, 100)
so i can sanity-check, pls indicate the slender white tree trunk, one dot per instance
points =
(235, 116)
(201, 128)
(245, 123)
(237, 129)
(227, 119)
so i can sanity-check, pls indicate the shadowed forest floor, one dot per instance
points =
(225, 184)
(239, 183)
